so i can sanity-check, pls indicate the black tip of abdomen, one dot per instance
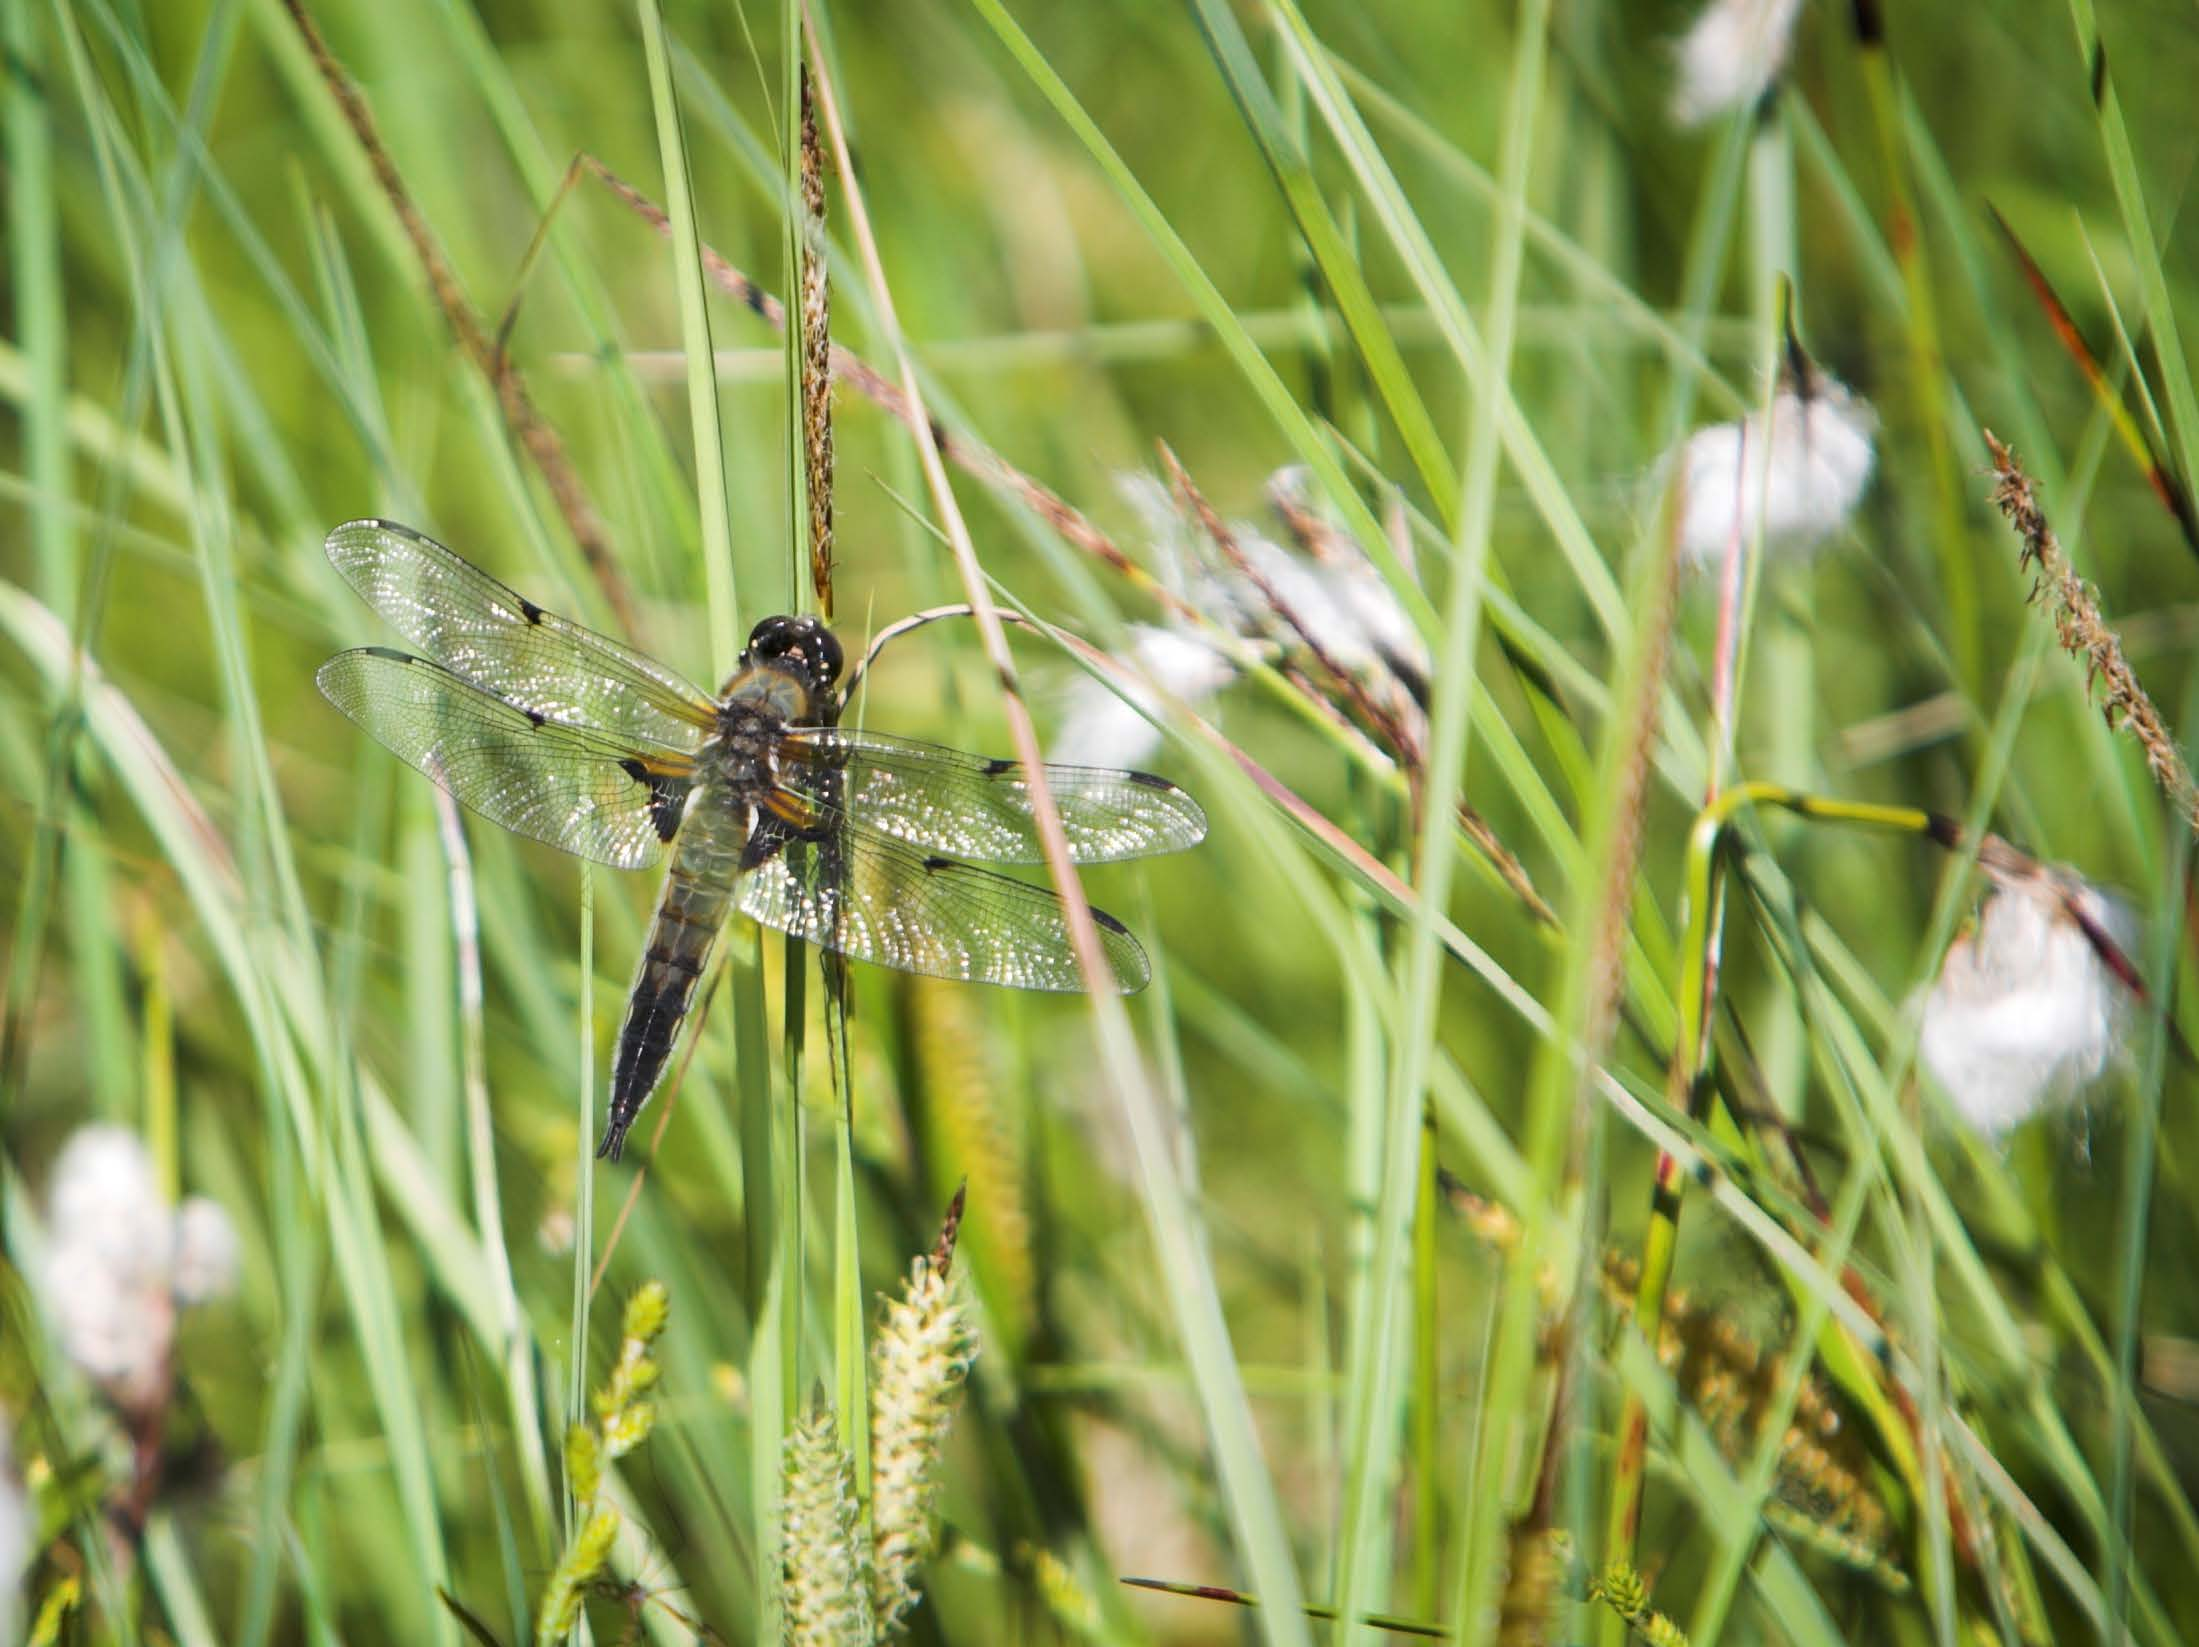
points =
(644, 1048)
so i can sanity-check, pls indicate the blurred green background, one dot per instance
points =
(220, 344)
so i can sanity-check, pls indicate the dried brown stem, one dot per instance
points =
(535, 436)
(816, 358)
(2084, 634)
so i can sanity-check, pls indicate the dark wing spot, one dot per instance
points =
(935, 862)
(2099, 71)
(389, 652)
(667, 805)
(667, 796)
(1100, 917)
(536, 716)
(527, 609)
(765, 842)
(999, 764)
(1149, 780)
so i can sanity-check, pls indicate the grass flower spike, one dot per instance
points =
(1731, 56)
(917, 1367)
(626, 1417)
(623, 1422)
(2025, 1012)
(584, 1558)
(1822, 450)
(825, 1585)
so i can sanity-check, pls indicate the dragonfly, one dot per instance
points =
(756, 801)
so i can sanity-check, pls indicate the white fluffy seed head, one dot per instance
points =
(119, 1262)
(1802, 486)
(2024, 1012)
(104, 1202)
(207, 1252)
(1163, 527)
(1102, 726)
(1731, 56)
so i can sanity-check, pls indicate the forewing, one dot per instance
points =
(897, 905)
(567, 786)
(500, 641)
(967, 806)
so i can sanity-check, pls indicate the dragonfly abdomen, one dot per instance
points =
(698, 895)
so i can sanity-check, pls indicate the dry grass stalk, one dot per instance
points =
(816, 357)
(2084, 634)
(526, 423)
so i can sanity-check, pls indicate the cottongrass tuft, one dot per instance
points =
(1731, 56)
(1821, 452)
(1324, 604)
(120, 1262)
(922, 1353)
(2025, 1010)
(825, 1584)
(207, 1252)
(1109, 724)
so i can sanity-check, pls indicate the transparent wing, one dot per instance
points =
(573, 788)
(500, 641)
(973, 807)
(878, 899)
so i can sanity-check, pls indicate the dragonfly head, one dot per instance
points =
(800, 645)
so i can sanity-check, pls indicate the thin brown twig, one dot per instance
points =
(2084, 633)
(525, 422)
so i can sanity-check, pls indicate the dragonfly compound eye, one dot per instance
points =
(828, 654)
(800, 637)
(774, 636)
